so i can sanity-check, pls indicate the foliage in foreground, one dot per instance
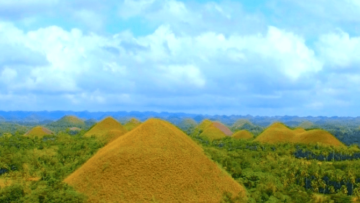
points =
(36, 167)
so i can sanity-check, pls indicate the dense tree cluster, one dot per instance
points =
(36, 167)
(275, 173)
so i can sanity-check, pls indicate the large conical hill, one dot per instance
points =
(131, 124)
(38, 131)
(156, 161)
(242, 134)
(276, 133)
(101, 130)
(318, 136)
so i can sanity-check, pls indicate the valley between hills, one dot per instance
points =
(159, 160)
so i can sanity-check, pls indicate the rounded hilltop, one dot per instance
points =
(212, 130)
(38, 131)
(276, 133)
(318, 136)
(106, 130)
(156, 161)
(69, 121)
(242, 134)
(280, 133)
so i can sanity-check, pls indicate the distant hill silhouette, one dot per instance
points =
(187, 125)
(104, 130)
(154, 162)
(306, 125)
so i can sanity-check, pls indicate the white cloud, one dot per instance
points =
(339, 50)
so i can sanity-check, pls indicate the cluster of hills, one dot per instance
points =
(110, 129)
(158, 161)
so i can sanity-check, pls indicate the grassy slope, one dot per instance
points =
(155, 161)
(242, 134)
(38, 131)
(104, 130)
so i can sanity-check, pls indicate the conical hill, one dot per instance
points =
(154, 162)
(223, 128)
(242, 134)
(213, 133)
(101, 130)
(239, 124)
(69, 121)
(131, 124)
(276, 133)
(38, 131)
(318, 136)
(212, 130)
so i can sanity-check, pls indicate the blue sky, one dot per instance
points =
(275, 57)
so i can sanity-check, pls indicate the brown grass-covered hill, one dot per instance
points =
(211, 130)
(276, 133)
(69, 121)
(318, 136)
(279, 133)
(131, 124)
(154, 162)
(106, 130)
(38, 131)
(299, 130)
(223, 128)
(242, 134)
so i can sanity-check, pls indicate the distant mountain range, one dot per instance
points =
(43, 117)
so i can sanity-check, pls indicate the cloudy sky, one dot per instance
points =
(274, 57)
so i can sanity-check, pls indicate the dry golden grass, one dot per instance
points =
(204, 124)
(107, 130)
(276, 133)
(212, 130)
(212, 133)
(299, 130)
(242, 134)
(38, 131)
(279, 133)
(154, 162)
(318, 136)
(131, 124)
